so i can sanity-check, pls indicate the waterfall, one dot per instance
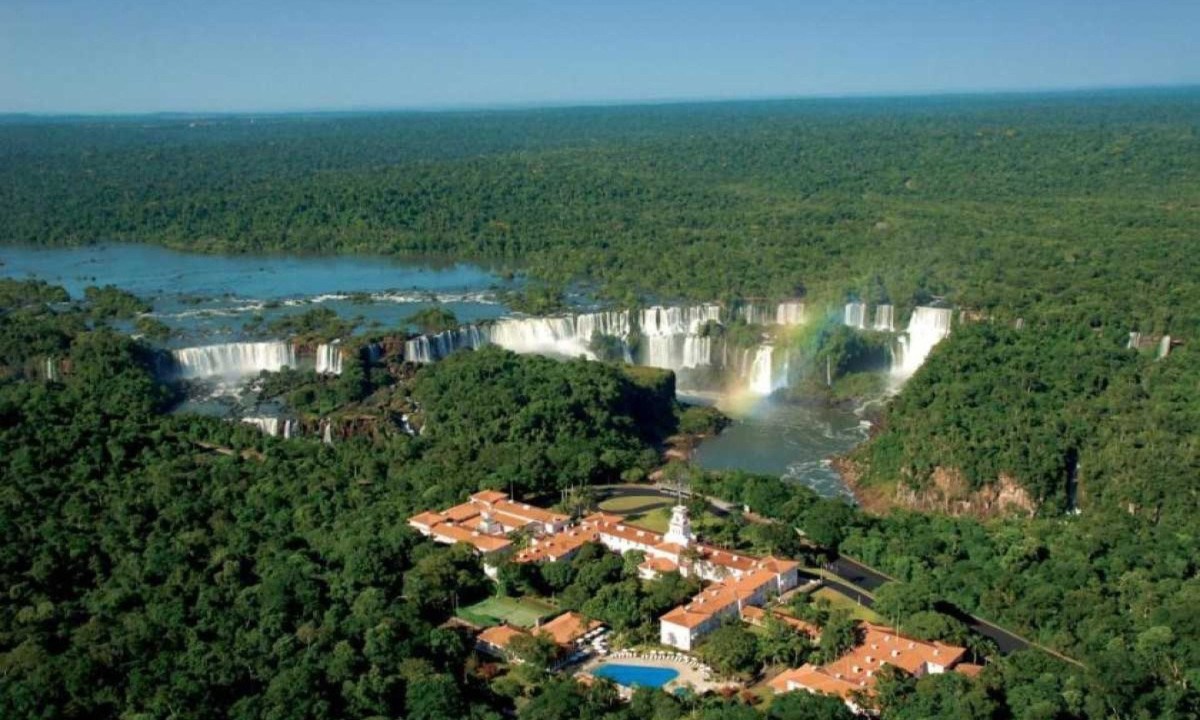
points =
(926, 328)
(697, 351)
(790, 312)
(565, 335)
(855, 315)
(1135, 340)
(327, 432)
(329, 358)
(765, 375)
(760, 370)
(428, 348)
(1164, 346)
(51, 370)
(671, 338)
(232, 360)
(678, 352)
(614, 323)
(406, 425)
(756, 314)
(268, 425)
(290, 428)
(661, 321)
(883, 318)
(658, 352)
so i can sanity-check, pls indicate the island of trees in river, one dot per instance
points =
(148, 573)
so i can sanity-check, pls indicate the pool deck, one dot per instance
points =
(689, 675)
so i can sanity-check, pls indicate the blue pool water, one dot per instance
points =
(630, 675)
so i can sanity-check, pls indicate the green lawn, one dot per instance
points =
(625, 503)
(656, 520)
(841, 602)
(521, 612)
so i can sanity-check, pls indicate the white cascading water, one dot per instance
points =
(759, 371)
(697, 351)
(658, 352)
(677, 352)
(1164, 346)
(329, 358)
(926, 328)
(855, 315)
(1135, 339)
(614, 323)
(430, 348)
(233, 360)
(51, 370)
(671, 336)
(756, 314)
(790, 312)
(883, 318)
(290, 429)
(670, 339)
(268, 425)
(661, 321)
(327, 432)
(566, 335)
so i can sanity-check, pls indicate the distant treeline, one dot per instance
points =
(1077, 205)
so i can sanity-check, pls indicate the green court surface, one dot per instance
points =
(521, 612)
(634, 503)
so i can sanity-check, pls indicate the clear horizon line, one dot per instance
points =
(517, 105)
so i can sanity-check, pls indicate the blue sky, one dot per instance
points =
(217, 55)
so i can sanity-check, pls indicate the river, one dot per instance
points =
(208, 299)
(211, 298)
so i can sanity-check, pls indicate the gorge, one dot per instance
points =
(737, 354)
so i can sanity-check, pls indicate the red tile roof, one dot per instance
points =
(659, 565)
(500, 636)
(856, 669)
(568, 627)
(556, 546)
(483, 543)
(489, 496)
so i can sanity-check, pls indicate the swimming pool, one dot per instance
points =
(640, 675)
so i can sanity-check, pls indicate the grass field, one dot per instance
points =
(625, 503)
(521, 612)
(656, 520)
(841, 602)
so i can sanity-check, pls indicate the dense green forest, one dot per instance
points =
(1070, 415)
(164, 565)
(1076, 213)
(1077, 205)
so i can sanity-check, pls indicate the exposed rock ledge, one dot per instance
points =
(948, 492)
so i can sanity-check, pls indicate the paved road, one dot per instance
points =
(853, 593)
(870, 580)
(1007, 642)
(857, 573)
